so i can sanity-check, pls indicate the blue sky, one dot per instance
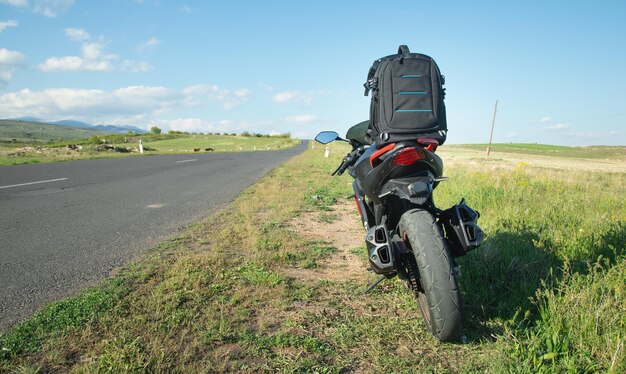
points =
(558, 68)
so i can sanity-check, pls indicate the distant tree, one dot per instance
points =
(245, 133)
(155, 130)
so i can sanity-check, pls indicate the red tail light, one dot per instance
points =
(407, 156)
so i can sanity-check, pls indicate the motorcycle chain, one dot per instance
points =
(413, 275)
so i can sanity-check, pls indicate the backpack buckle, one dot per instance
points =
(371, 84)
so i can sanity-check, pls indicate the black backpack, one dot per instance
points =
(407, 98)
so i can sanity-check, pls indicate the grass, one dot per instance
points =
(545, 293)
(36, 132)
(29, 152)
(591, 152)
(219, 143)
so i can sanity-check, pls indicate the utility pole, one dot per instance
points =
(493, 123)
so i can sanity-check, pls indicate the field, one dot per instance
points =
(591, 152)
(219, 143)
(274, 283)
(42, 133)
(51, 148)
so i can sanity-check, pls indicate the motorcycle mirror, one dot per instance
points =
(326, 137)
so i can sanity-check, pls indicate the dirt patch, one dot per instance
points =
(340, 228)
(26, 150)
(43, 152)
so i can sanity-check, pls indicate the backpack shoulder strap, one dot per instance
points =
(369, 83)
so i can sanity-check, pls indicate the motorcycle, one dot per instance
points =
(407, 235)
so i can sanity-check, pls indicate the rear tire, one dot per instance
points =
(438, 293)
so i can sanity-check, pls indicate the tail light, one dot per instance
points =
(407, 156)
(376, 155)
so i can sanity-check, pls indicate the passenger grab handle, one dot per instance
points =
(429, 143)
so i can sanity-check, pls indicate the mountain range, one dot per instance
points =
(83, 125)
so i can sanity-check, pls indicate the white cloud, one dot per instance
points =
(299, 97)
(9, 61)
(284, 97)
(92, 51)
(52, 8)
(545, 119)
(243, 93)
(148, 45)
(49, 8)
(201, 125)
(132, 105)
(198, 89)
(135, 66)
(292, 96)
(17, 3)
(7, 24)
(11, 58)
(74, 63)
(91, 104)
(77, 35)
(303, 119)
(188, 124)
(93, 57)
(229, 99)
(511, 135)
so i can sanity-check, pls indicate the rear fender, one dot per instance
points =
(416, 189)
(386, 171)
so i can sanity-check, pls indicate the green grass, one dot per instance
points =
(15, 154)
(545, 293)
(36, 132)
(61, 316)
(219, 143)
(592, 152)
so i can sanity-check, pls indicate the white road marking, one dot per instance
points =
(29, 183)
(156, 206)
(181, 161)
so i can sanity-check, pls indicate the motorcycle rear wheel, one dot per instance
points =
(438, 294)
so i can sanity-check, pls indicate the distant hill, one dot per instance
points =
(73, 123)
(69, 122)
(29, 131)
(122, 129)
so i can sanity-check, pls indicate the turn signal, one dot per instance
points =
(407, 156)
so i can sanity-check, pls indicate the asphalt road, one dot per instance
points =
(65, 225)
